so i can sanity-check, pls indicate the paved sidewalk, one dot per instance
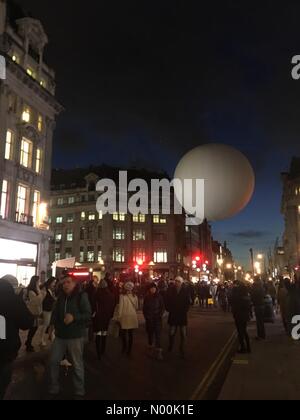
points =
(271, 372)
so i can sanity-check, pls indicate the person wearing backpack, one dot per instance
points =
(34, 298)
(70, 317)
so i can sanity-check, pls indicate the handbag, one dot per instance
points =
(114, 329)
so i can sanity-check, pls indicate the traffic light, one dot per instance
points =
(138, 267)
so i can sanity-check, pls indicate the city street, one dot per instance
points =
(140, 377)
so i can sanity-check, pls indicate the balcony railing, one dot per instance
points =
(24, 219)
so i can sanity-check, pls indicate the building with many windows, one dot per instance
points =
(115, 242)
(28, 110)
(290, 209)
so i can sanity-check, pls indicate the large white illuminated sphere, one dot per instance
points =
(228, 176)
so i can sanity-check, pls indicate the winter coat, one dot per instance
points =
(35, 302)
(49, 302)
(153, 307)
(258, 295)
(271, 290)
(77, 305)
(91, 291)
(283, 300)
(240, 304)
(178, 304)
(127, 312)
(104, 306)
(17, 316)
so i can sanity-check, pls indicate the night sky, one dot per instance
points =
(143, 82)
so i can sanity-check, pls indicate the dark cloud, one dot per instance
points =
(250, 234)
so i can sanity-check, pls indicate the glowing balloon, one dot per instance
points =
(228, 175)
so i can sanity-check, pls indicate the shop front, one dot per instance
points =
(19, 259)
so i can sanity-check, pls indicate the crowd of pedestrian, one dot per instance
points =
(69, 313)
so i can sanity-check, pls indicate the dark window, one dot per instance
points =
(99, 232)
(82, 233)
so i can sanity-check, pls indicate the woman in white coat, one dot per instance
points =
(34, 297)
(127, 316)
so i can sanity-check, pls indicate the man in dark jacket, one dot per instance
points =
(153, 311)
(241, 307)
(178, 304)
(70, 319)
(258, 300)
(14, 316)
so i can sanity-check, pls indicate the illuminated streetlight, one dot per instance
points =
(229, 266)
(257, 265)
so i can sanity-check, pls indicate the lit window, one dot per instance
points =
(69, 235)
(82, 216)
(155, 218)
(70, 218)
(9, 145)
(139, 218)
(91, 254)
(139, 255)
(31, 73)
(119, 255)
(57, 256)
(38, 161)
(71, 200)
(15, 58)
(92, 216)
(99, 254)
(60, 201)
(118, 233)
(119, 217)
(58, 237)
(26, 116)
(59, 220)
(81, 255)
(159, 219)
(35, 207)
(40, 123)
(161, 256)
(100, 215)
(26, 153)
(139, 235)
(22, 199)
(4, 199)
(69, 253)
